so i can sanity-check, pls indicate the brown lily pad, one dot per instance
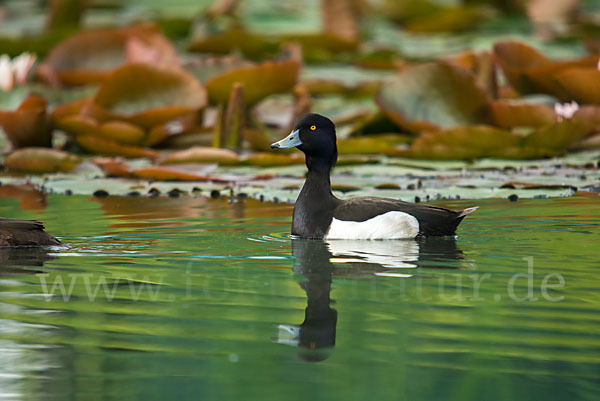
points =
(201, 154)
(559, 137)
(433, 96)
(103, 146)
(373, 144)
(259, 81)
(510, 115)
(530, 72)
(89, 56)
(28, 124)
(146, 95)
(264, 159)
(251, 45)
(465, 143)
(582, 84)
(41, 160)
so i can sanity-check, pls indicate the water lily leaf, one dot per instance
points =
(530, 72)
(113, 167)
(201, 154)
(89, 56)
(122, 132)
(78, 125)
(67, 109)
(41, 160)
(259, 81)
(373, 144)
(263, 159)
(253, 46)
(582, 84)
(103, 146)
(510, 115)
(465, 143)
(320, 47)
(146, 95)
(432, 96)
(559, 137)
(169, 174)
(28, 124)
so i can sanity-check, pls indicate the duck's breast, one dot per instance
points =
(390, 225)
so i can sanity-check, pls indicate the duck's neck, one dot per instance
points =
(313, 211)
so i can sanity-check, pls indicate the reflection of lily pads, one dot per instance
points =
(146, 95)
(259, 81)
(28, 124)
(90, 56)
(433, 95)
(41, 160)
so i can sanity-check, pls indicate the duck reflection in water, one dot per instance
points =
(316, 261)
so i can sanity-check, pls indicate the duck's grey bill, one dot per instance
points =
(289, 141)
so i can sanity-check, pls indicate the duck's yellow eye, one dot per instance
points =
(313, 127)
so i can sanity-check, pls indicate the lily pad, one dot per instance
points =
(530, 72)
(373, 144)
(559, 137)
(41, 160)
(28, 124)
(146, 95)
(433, 96)
(263, 159)
(103, 146)
(259, 81)
(89, 56)
(201, 154)
(582, 84)
(251, 45)
(465, 143)
(510, 115)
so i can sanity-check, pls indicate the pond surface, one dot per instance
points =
(195, 298)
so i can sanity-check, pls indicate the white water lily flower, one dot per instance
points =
(15, 72)
(565, 110)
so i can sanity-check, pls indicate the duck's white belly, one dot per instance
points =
(390, 225)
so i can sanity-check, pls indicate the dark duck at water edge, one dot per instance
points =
(319, 214)
(16, 233)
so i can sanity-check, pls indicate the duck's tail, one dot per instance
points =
(467, 211)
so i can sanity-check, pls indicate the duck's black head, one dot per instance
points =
(314, 135)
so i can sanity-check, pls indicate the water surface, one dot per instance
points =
(194, 298)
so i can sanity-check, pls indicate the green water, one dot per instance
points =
(207, 299)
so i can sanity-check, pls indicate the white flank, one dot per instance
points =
(390, 225)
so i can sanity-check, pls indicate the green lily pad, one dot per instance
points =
(432, 96)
